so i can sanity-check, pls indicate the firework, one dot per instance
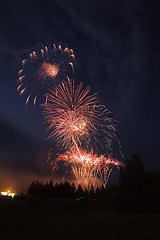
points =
(87, 166)
(70, 113)
(75, 118)
(105, 167)
(82, 164)
(44, 67)
(83, 129)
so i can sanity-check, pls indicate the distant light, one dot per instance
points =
(11, 194)
(8, 193)
(4, 193)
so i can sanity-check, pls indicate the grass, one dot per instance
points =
(23, 220)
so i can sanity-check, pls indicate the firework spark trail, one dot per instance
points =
(46, 66)
(105, 167)
(82, 164)
(87, 167)
(76, 121)
(70, 113)
(81, 126)
(75, 117)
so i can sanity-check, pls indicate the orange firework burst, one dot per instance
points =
(49, 70)
(71, 113)
(46, 66)
(87, 167)
(83, 164)
(105, 167)
(81, 126)
(75, 118)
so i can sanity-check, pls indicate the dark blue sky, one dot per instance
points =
(117, 48)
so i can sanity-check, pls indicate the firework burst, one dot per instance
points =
(87, 167)
(105, 167)
(44, 67)
(84, 131)
(75, 118)
(70, 113)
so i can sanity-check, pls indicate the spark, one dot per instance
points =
(48, 69)
(70, 113)
(87, 166)
(84, 131)
(75, 117)
(43, 68)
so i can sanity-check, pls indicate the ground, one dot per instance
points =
(41, 220)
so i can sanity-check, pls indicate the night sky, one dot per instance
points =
(117, 49)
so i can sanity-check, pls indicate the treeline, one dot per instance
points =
(64, 190)
(137, 190)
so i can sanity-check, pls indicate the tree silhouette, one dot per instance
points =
(91, 192)
(133, 184)
(35, 189)
(73, 189)
(79, 192)
(86, 192)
